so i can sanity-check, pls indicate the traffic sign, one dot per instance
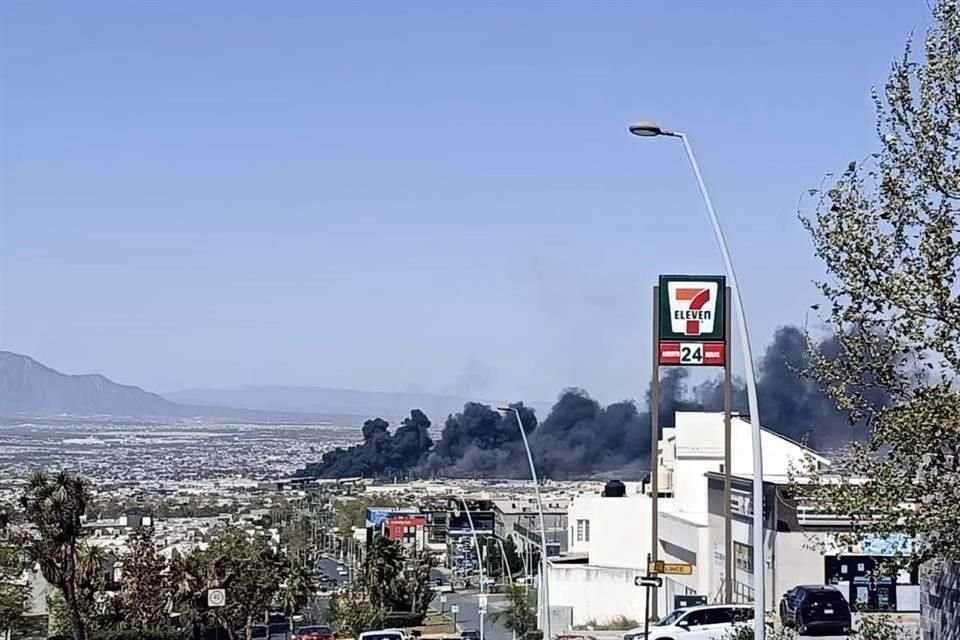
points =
(648, 581)
(454, 609)
(443, 598)
(482, 600)
(216, 597)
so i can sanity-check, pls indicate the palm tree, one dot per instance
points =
(91, 581)
(384, 570)
(298, 589)
(54, 506)
(519, 615)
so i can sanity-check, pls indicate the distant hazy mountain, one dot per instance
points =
(28, 388)
(337, 401)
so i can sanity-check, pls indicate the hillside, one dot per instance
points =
(28, 387)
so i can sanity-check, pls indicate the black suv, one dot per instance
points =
(808, 608)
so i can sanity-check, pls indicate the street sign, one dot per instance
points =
(482, 600)
(443, 598)
(677, 569)
(216, 597)
(692, 321)
(672, 568)
(454, 609)
(647, 581)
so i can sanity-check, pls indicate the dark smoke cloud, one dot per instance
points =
(580, 437)
(481, 441)
(790, 403)
(381, 454)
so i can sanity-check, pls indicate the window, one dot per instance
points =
(743, 557)
(742, 614)
(583, 531)
(717, 616)
(696, 618)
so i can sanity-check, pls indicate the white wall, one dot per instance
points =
(797, 561)
(620, 531)
(700, 435)
(692, 534)
(581, 508)
(779, 454)
(596, 593)
(690, 485)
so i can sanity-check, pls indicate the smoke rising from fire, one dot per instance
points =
(580, 437)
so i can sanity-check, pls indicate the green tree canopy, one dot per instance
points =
(145, 590)
(888, 233)
(519, 615)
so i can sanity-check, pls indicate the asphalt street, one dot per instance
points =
(468, 616)
(329, 567)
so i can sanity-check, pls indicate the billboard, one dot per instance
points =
(692, 316)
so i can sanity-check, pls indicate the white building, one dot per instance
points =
(609, 537)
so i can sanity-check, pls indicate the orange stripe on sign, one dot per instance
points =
(687, 294)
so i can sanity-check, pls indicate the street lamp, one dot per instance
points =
(647, 129)
(543, 593)
(476, 546)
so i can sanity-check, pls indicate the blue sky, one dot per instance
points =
(432, 196)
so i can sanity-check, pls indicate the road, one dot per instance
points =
(469, 615)
(329, 567)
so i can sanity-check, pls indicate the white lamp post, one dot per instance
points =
(648, 129)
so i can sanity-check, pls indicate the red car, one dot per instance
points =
(316, 632)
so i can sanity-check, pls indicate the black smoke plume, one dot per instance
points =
(381, 454)
(580, 438)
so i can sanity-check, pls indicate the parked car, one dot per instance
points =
(385, 634)
(705, 622)
(314, 632)
(806, 608)
(470, 634)
(279, 630)
(342, 570)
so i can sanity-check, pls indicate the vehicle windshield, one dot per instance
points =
(387, 635)
(671, 618)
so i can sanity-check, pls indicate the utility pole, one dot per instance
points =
(654, 443)
(727, 472)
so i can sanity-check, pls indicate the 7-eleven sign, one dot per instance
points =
(692, 320)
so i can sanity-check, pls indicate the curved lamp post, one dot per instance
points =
(476, 546)
(543, 593)
(647, 129)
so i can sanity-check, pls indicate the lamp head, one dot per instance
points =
(647, 129)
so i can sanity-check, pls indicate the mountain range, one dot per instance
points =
(29, 388)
